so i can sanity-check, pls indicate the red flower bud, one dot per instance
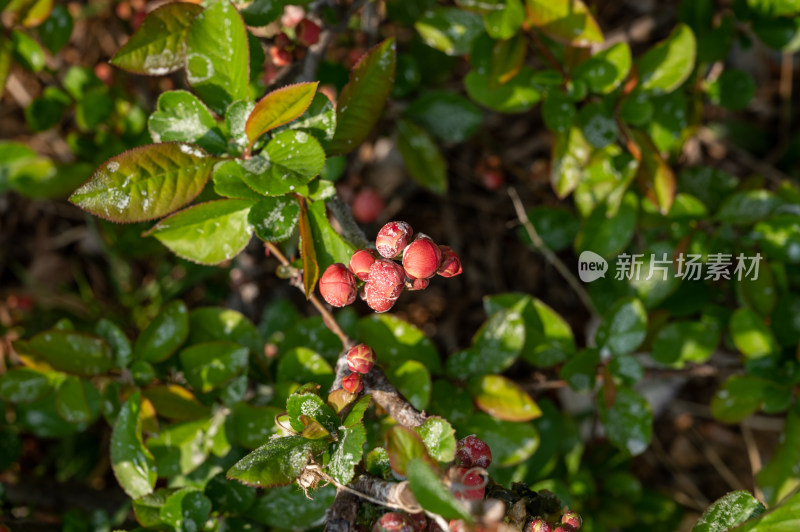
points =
(367, 205)
(307, 32)
(473, 452)
(281, 40)
(492, 179)
(420, 521)
(466, 484)
(418, 284)
(421, 258)
(393, 238)
(279, 56)
(564, 528)
(360, 263)
(386, 279)
(451, 264)
(338, 285)
(292, 15)
(539, 525)
(572, 519)
(360, 358)
(393, 522)
(353, 383)
(376, 301)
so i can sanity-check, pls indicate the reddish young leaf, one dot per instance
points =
(279, 107)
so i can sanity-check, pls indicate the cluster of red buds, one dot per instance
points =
(284, 50)
(570, 522)
(360, 360)
(384, 279)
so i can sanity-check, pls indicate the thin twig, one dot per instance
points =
(753, 455)
(551, 257)
(716, 461)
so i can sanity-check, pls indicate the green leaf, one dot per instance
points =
(181, 116)
(57, 29)
(404, 445)
(363, 98)
(164, 334)
(605, 234)
(175, 402)
(278, 462)
(215, 323)
(517, 95)
(508, 57)
(319, 119)
(780, 477)
(439, 438)
(25, 385)
(783, 518)
(654, 174)
(132, 463)
(728, 511)
(346, 453)
(502, 399)
(779, 33)
(5, 66)
(598, 124)
(449, 30)
(686, 341)
(580, 371)
(397, 340)
(745, 208)
(120, 345)
(357, 411)
(229, 496)
(568, 21)
(570, 154)
(311, 405)
(254, 425)
(447, 115)
(738, 397)
(628, 421)
(209, 365)
(73, 352)
(42, 420)
(329, 246)
(733, 89)
(308, 254)
(414, 382)
(208, 233)
(145, 183)
(27, 51)
(293, 158)
(28, 13)
(275, 218)
(606, 70)
(505, 22)
(779, 237)
(229, 181)
(751, 335)
(307, 510)
(147, 509)
(556, 226)
(186, 510)
(262, 12)
(423, 159)
(624, 327)
(279, 107)
(511, 443)
(301, 364)
(217, 56)
(665, 67)
(181, 448)
(433, 495)
(558, 112)
(157, 47)
(77, 401)
(45, 111)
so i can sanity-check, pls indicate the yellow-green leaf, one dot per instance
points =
(279, 107)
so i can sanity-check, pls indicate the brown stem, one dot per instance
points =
(390, 399)
(547, 54)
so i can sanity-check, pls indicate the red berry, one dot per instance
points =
(338, 285)
(393, 522)
(386, 279)
(492, 179)
(292, 15)
(451, 264)
(376, 301)
(367, 205)
(421, 258)
(564, 528)
(420, 521)
(353, 383)
(307, 32)
(281, 40)
(279, 56)
(466, 484)
(572, 519)
(473, 452)
(393, 238)
(419, 284)
(360, 358)
(360, 263)
(539, 525)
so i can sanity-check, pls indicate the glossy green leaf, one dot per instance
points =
(606, 70)
(175, 402)
(157, 47)
(431, 492)
(329, 246)
(598, 125)
(5, 65)
(164, 335)
(147, 509)
(363, 98)
(133, 465)
(116, 338)
(686, 341)
(291, 160)
(279, 107)
(27, 51)
(628, 422)
(424, 161)
(738, 397)
(275, 218)
(733, 89)
(301, 364)
(145, 183)
(215, 323)
(580, 371)
(511, 443)
(569, 21)
(228, 495)
(449, 30)
(28, 13)
(745, 208)
(728, 511)
(605, 234)
(447, 115)
(45, 111)
(217, 56)
(505, 22)
(311, 405)
(508, 58)
(262, 12)
(780, 477)
(751, 335)
(346, 453)
(308, 255)
(73, 352)
(515, 96)
(56, 31)
(25, 385)
(665, 67)
(187, 509)
(439, 438)
(570, 154)
(556, 226)
(403, 445)
(77, 400)
(558, 112)
(229, 181)
(181, 448)
(278, 462)
(181, 116)
(42, 420)
(254, 425)
(779, 33)
(502, 399)
(209, 365)
(208, 233)
(396, 341)
(624, 327)
(783, 518)
(319, 119)
(779, 237)
(413, 380)
(654, 174)
(307, 509)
